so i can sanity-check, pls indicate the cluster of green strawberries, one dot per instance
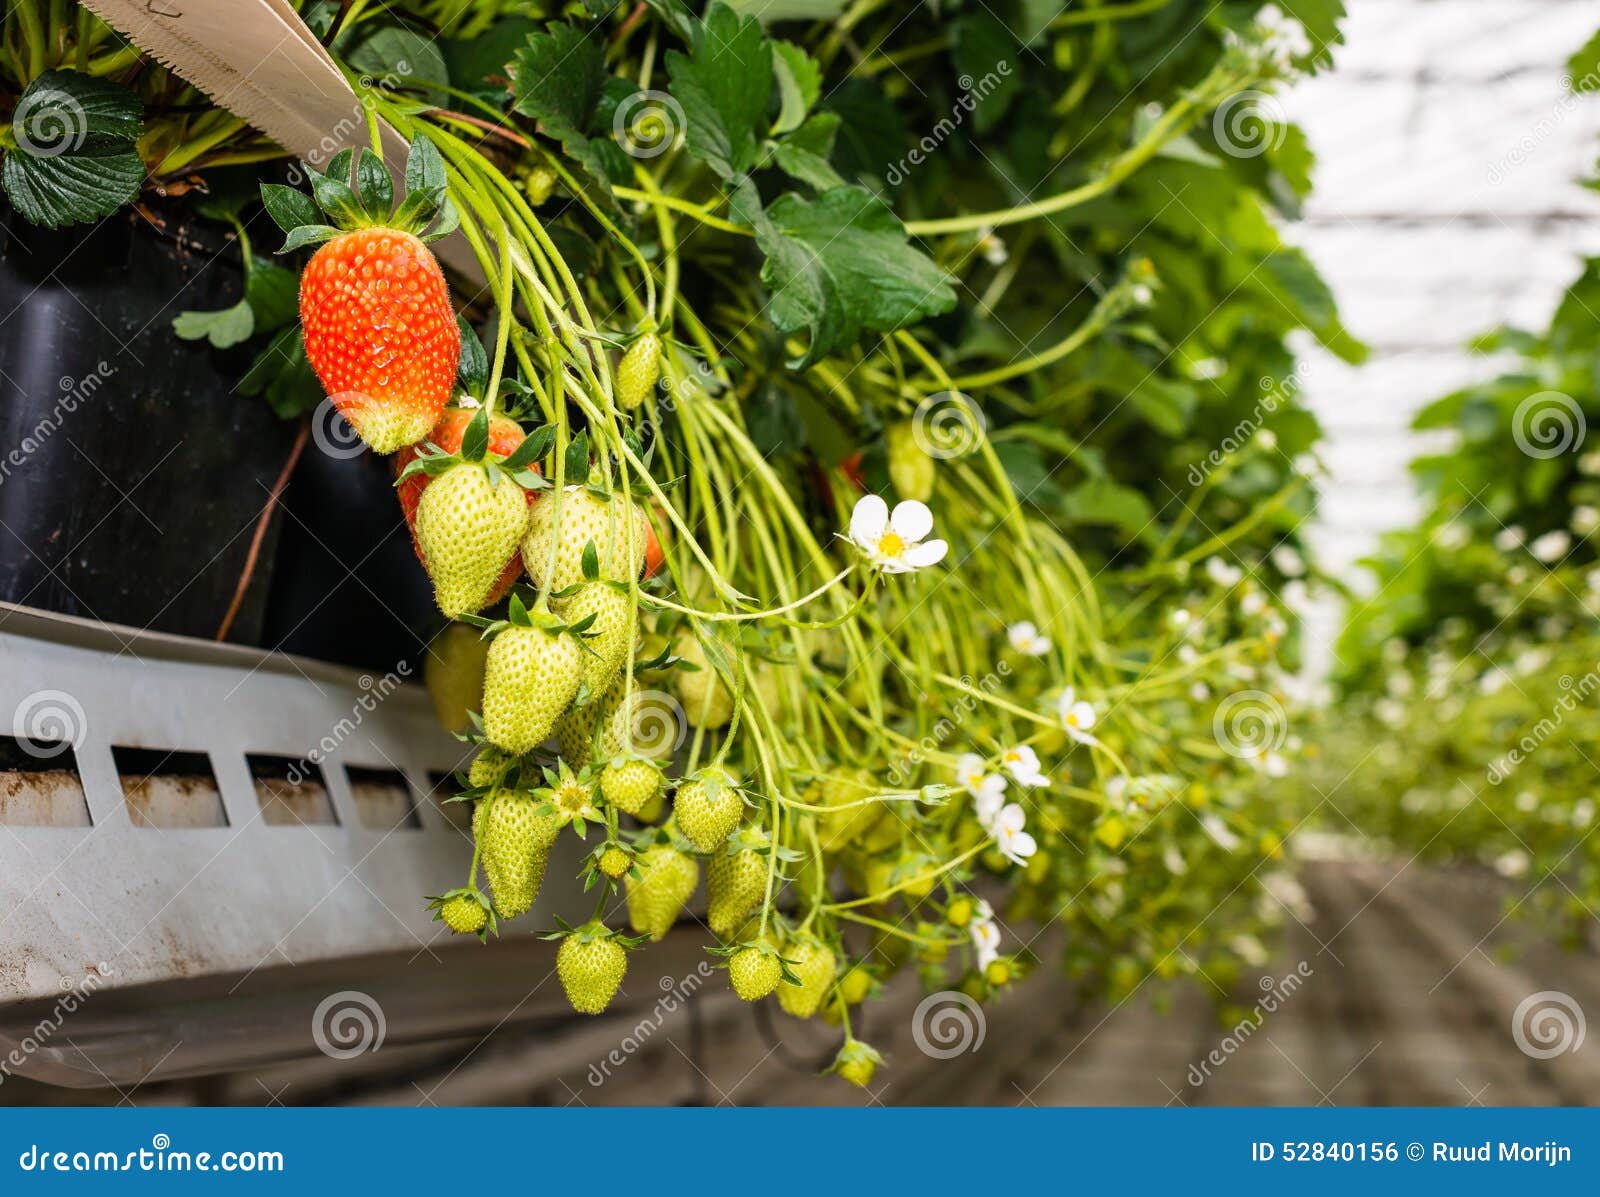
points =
(386, 345)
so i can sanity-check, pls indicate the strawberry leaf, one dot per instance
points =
(475, 440)
(591, 562)
(424, 166)
(724, 84)
(374, 187)
(307, 234)
(223, 329)
(577, 463)
(472, 369)
(288, 207)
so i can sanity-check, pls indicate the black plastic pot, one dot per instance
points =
(347, 586)
(132, 476)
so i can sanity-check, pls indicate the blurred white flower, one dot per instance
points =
(1452, 535)
(1015, 844)
(992, 246)
(1585, 520)
(1077, 717)
(895, 542)
(1027, 640)
(1022, 763)
(1270, 763)
(985, 934)
(1509, 538)
(1551, 547)
(1290, 564)
(1267, 439)
(1253, 603)
(1223, 574)
(987, 789)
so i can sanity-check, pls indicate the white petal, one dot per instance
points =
(868, 521)
(929, 552)
(1022, 635)
(911, 520)
(1083, 715)
(1023, 845)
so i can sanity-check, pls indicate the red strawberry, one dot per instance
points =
(504, 437)
(380, 333)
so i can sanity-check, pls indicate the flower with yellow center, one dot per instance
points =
(1077, 717)
(894, 541)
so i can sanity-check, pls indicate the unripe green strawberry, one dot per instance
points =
(708, 806)
(736, 881)
(615, 626)
(514, 841)
(638, 371)
(960, 911)
(842, 828)
(537, 184)
(911, 470)
(855, 985)
(706, 701)
(467, 529)
(857, 1063)
(532, 675)
(614, 862)
(488, 767)
(814, 963)
(755, 971)
(462, 911)
(453, 673)
(569, 523)
(591, 969)
(629, 783)
(665, 885)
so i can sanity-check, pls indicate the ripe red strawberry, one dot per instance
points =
(380, 333)
(504, 437)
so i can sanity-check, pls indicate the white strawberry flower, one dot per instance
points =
(1077, 716)
(1022, 763)
(1027, 639)
(1223, 574)
(1015, 844)
(1270, 763)
(985, 934)
(987, 789)
(894, 541)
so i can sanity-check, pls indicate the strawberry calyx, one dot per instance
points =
(357, 192)
(470, 894)
(592, 930)
(520, 466)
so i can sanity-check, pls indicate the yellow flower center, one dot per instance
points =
(572, 797)
(891, 545)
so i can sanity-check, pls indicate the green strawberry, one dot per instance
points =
(467, 529)
(708, 806)
(814, 963)
(627, 783)
(464, 911)
(737, 880)
(453, 673)
(615, 862)
(857, 1063)
(960, 911)
(591, 964)
(514, 833)
(856, 984)
(533, 674)
(607, 638)
(488, 767)
(569, 524)
(706, 700)
(911, 470)
(666, 883)
(842, 828)
(638, 371)
(755, 971)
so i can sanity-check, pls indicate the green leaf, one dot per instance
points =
(374, 187)
(804, 154)
(1102, 501)
(334, 195)
(591, 562)
(481, 64)
(558, 78)
(724, 84)
(799, 84)
(288, 207)
(840, 265)
(985, 53)
(472, 368)
(223, 329)
(475, 440)
(790, 10)
(60, 112)
(577, 463)
(424, 166)
(74, 188)
(396, 57)
(273, 293)
(282, 375)
(308, 234)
